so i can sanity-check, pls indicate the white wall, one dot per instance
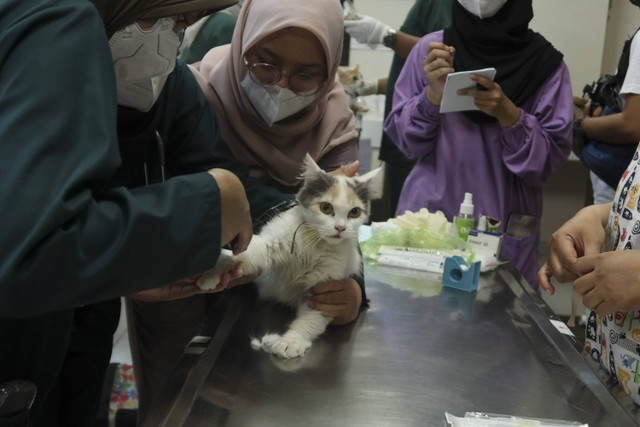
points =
(577, 29)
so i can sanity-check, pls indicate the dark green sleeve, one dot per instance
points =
(67, 238)
(216, 31)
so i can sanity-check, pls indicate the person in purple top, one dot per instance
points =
(504, 152)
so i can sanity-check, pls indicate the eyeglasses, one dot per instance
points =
(269, 75)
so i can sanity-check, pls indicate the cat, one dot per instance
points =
(351, 80)
(314, 241)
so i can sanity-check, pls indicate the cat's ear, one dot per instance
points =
(374, 182)
(311, 169)
(356, 68)
(341, 74)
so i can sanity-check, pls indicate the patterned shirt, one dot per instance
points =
(614, 340)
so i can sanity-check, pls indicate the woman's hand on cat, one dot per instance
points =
(338, 299)
(235, 213)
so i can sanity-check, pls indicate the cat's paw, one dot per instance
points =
(285, 346)
(210, 279)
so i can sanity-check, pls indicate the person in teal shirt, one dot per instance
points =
(112, 185)
(424, 17)
(209, 32)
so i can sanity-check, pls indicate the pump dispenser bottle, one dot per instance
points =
(464, 220)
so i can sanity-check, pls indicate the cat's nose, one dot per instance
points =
(340, 228)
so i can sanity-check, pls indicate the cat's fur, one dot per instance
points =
(300, 248)
(351, 80)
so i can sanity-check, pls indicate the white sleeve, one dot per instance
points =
(631, 82)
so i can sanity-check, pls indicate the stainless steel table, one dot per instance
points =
(418, 351)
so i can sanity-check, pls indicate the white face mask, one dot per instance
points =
(142, 60)
(482, 8)
(274, 103)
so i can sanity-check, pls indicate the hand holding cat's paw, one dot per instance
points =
(211, 279)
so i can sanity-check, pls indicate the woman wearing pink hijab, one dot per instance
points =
(274, 91)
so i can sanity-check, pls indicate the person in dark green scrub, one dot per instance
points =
(114, 183)
(424, 17)
(211, 31)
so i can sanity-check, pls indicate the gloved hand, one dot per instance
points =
(367, 30)
(370, 87)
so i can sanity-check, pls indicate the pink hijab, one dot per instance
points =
(276, 153)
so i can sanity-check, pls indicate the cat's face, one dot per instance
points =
(336, 205)
(350, 77)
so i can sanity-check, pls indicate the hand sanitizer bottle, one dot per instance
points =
(464, 220)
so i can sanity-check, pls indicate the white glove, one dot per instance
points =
(367, 30)
(370, 87)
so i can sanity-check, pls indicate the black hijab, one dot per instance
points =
(523, 59)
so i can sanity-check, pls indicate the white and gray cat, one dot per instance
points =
(314, 241)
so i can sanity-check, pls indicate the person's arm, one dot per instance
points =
(582, 235)
(541, 139)
(404, 43)
(69, 239)
(414, 120)
(340, 300)
(618, 128)
(609, 281)
(372, 31)
(622, 127)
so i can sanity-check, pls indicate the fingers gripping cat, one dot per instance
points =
(315, 241)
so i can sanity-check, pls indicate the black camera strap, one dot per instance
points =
(623, 62)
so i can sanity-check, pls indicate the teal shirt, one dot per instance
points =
(424, 17)
(70, 235)
(216, 31)
(69, 238)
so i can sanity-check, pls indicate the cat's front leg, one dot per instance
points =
(307, 326)
(253, 261)
(211, 278)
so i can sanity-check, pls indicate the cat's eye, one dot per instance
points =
(355, 212)
(326, 208)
